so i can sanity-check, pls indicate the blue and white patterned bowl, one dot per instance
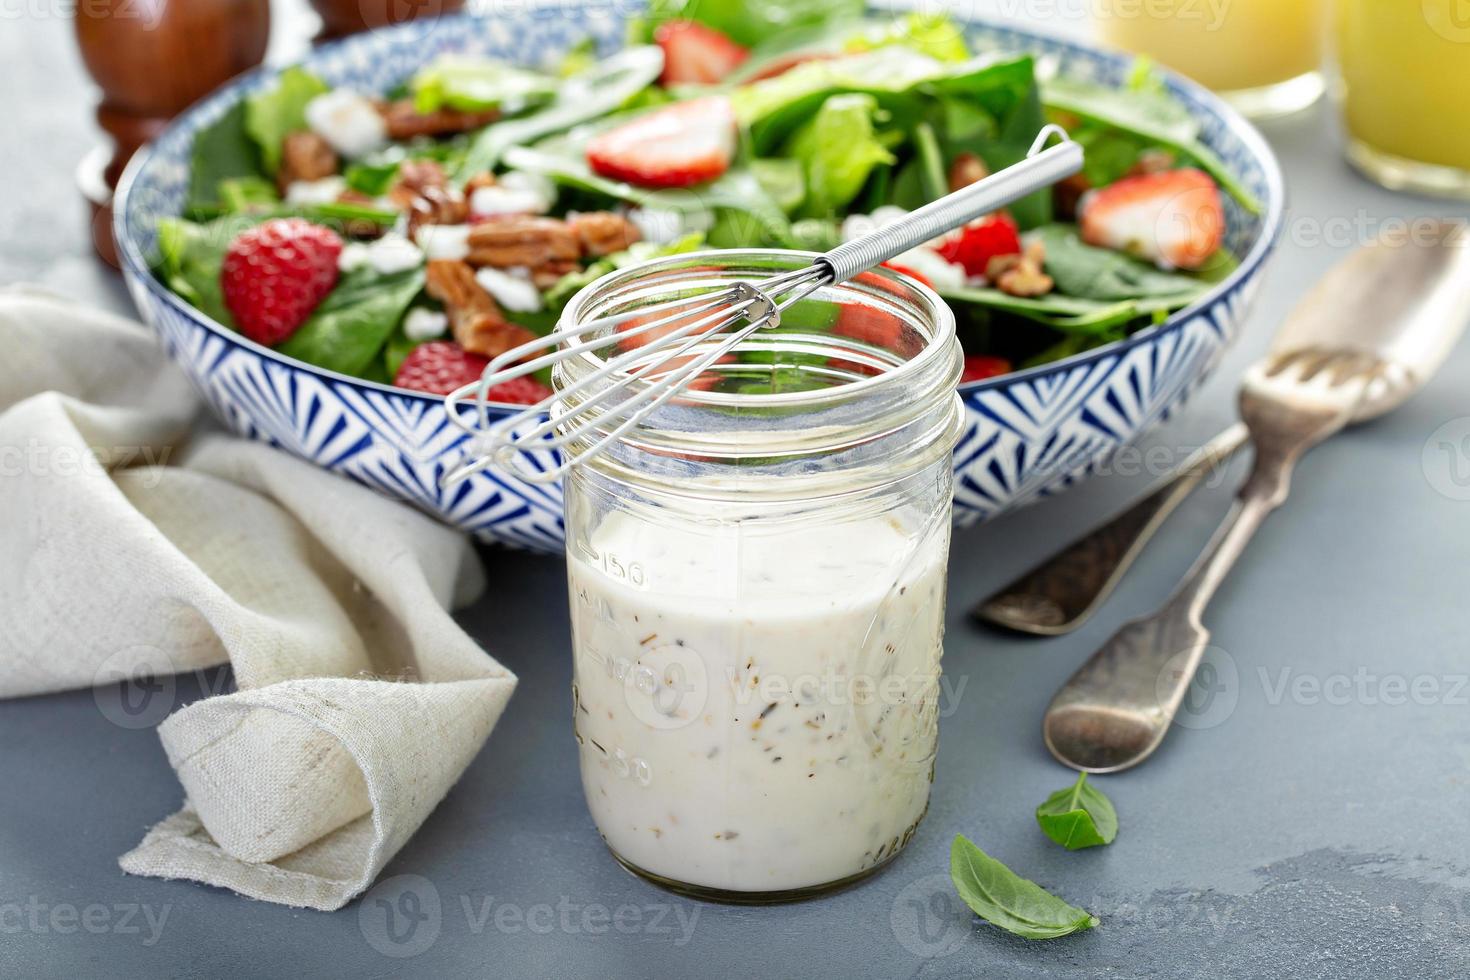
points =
(1028, 434)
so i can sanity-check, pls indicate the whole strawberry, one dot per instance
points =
(440, 367)
(275, 274)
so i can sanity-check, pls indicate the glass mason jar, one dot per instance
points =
(756, 577)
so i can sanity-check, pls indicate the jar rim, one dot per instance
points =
(934, 346)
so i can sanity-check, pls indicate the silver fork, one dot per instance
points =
(1116, 709)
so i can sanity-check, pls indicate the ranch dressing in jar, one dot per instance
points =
(756, 579)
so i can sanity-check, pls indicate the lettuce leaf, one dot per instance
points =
(272, 115)
(476, 84)
(936, 35)
(837, 150)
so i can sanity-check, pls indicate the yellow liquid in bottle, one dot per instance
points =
(1227, 45)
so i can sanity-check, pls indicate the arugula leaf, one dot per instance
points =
(837, 150)
(1150, 114)
(476, 84)
(222, 150)
(1098, 273)
(346, 332)
(1003, 898)
(1078, 816)
(272, 115)
(746, 22)
(601, 89)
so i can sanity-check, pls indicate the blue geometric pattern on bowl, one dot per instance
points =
(1027, 434)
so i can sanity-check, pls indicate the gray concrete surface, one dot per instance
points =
(1316, 826)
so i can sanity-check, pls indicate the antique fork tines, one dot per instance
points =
(1116, 709)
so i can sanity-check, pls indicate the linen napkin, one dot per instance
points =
(129, 547)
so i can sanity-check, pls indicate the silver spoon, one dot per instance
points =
(1367, 337)
(1407, 301)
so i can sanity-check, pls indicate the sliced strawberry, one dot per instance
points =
(1173, 218)
(274, 274)
(978, 367)
(909, 271)
(974, 245)
(695, 53)
(677, 146)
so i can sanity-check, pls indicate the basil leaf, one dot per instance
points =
(273, 115)
(1100, 273)
(1078, 816)
(1001, 897)
(346, 332)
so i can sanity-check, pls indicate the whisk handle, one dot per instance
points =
(1042, 169)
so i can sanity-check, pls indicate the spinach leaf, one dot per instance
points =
(245, 193)
(1098, 273)
(782, 179)
(746, 22)
(190, 256)
(1003, 898)
(476, 84)
(1150, 114)
(1068, 314)
(271, 116)
(837, 150)
(602, 89)
(346, 332)
(1078, 816)
(222, 150)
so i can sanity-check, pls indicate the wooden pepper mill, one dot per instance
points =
(343, 17)
(153, 60)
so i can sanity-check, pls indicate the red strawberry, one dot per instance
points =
(1173, 218)
(696, 53)
(974, 245)
(275, 274)
(676, 146)
(978, 367)
(440, 367)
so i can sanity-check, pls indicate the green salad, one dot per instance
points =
(408, 236)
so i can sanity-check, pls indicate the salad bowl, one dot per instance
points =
(1028, 433)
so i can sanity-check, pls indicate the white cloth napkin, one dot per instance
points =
(129, 548)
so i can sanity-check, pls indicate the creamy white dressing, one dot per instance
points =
(757, 705)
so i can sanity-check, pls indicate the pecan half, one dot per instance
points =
(474, 318)
(966, 169)
(602, 232)
(543, 277)
(406, 122)
(305, 156)
(422, 191)
(518, 239)
(1021, 274)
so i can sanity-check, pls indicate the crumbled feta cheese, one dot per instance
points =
(348, 121)
(444, 241)
(511, 292)
(389, 254)
(498, 199)
(524, 180)
(661, 226)
(323, 191)
(941, 273)
(422, 324)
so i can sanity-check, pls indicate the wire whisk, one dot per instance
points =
(671, 343)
